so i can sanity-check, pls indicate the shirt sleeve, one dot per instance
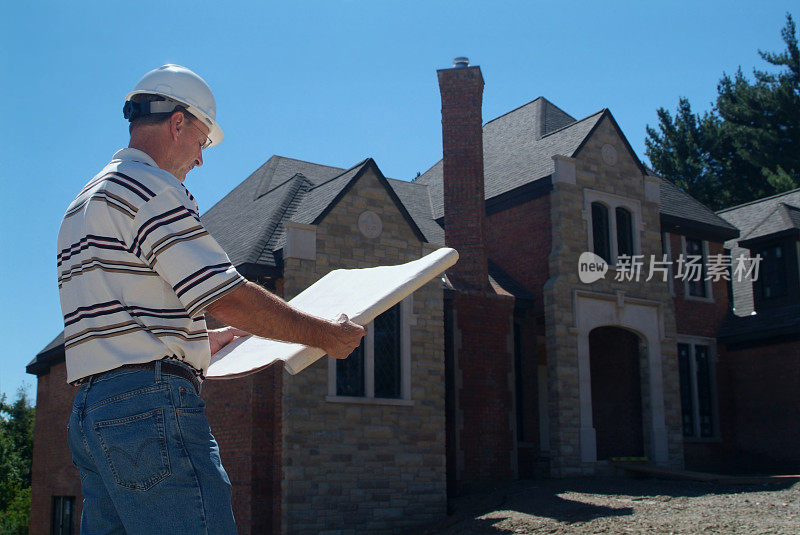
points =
(169, 237)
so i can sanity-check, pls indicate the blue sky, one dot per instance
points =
(330, 82)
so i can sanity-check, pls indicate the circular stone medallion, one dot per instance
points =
(369, 224)
(609, 154)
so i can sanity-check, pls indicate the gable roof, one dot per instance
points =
(518, 148)
(765, 216)
(249, 222)
(782, 220)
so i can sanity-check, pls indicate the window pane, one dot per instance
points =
(686, 390)
(386, 333)
(624, 232)
(694, 247)
(350, 374)
(772, 272)
(704, 390)
(600, 231)
(63, 511)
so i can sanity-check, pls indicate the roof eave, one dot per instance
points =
(759, 240)
(680, 225)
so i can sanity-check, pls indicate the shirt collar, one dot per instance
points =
(136, 155)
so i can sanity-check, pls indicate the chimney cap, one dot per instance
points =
(461, 62)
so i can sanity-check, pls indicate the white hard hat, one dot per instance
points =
(183, 86)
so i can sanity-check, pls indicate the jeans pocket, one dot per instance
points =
(136, 449)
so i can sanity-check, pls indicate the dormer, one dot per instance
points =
(776, 240)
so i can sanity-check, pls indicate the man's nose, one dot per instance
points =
(199, 160)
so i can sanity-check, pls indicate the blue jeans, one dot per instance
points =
(147, 458)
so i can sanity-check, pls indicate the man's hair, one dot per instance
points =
(154, 118)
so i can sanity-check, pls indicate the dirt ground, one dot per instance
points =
(625, 505)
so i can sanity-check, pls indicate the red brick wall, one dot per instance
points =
(519, 241)
(485, 398)
(245, 417)
(766, 406)
(462, 168)
(693, 316)
(53, 471)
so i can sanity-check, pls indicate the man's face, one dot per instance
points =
(193, 136)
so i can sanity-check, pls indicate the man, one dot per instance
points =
(136, 271)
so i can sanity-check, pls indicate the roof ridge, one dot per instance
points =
(515, 109)
(281, 184)
(761, 221)
(359, 164)
(306, 161)
(574, 124)
(775, 196)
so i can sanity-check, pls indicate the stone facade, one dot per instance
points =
(365, 465)
(570, 307)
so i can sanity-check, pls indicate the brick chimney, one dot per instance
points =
(462, 146)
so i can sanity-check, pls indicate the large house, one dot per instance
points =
(508, 367)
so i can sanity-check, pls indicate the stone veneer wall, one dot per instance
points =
(362, 467)
(569, 224)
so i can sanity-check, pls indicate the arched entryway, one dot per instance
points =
(616, 392)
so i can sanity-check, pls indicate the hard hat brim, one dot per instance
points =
(215, 132)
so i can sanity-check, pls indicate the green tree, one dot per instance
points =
(747, 146)
(16, 456)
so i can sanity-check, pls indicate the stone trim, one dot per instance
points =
(407, 320)
(301, 241)
(646, 319)
(612, 202)
(709, 298)
(652, 189)
(711, 343)
(564, 169)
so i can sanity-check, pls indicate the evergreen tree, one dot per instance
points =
(16, 456)
(747, 146)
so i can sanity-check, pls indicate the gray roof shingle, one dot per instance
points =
(677, 206)
(249, 222)
(746, 217)
(518, 148)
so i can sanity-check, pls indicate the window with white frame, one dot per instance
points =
(697, 384)
(666, 252)
(379, 369)
(694, 268)
(614, 223)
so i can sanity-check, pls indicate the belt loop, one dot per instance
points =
(158, 371)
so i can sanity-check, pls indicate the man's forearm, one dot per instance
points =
(255, 310)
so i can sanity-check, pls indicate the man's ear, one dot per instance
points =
(176, 122)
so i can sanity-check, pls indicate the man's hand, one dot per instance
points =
(345, 337)
(264, 314)
(219, 338)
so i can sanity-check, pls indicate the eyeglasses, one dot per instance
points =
(207, 142)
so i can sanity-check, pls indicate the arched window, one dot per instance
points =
(600, 232)
(624, 232)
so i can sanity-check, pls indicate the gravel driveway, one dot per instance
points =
(626, 505)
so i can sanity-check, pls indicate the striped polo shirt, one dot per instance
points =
(136, 269)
